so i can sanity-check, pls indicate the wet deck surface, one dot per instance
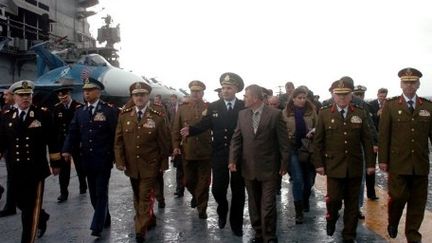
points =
(178, 222)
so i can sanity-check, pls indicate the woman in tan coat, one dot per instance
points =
(301, 118)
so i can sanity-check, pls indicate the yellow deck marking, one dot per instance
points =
(376, 215)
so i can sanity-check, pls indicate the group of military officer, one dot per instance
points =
(140, 139)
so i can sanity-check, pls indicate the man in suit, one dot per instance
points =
(342, 162)
(10, 206)
(260, 150)
(26, 131)
(377, 105)
(63, 113)
(92, 129)
(196, 150)
(141, 143)
(405, 130)
(221, 119)
(172, 109)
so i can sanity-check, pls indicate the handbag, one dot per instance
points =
(305, 150)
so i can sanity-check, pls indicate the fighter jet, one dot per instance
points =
(52, 71)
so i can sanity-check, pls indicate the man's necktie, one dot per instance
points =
(90, 109)
(342, 112)
(229, 106)
(21, 116)
(139, 116)
(411, 106)
(255, 121)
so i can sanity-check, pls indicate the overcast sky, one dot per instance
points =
(270, 42)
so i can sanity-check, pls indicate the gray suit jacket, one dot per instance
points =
(262, 155)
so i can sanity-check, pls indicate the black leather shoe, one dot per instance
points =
(7, 212)
(374, 198)
(348, 241)
(152, 223)
(237, 232)
(221, 222)
(161, 205)
(330, 227)
(193, 203)
(140, 238)
(202, 215)
(1, 191)
(256, 240)
(62, 198)
(392, 231)
(360, 215)
(43, 224)
(96, 233)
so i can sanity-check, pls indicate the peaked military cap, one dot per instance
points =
(409, 74)
(140, 88)
(22, 87)
(197, 85)
(342, 86)
(91, 83)
(232, 79)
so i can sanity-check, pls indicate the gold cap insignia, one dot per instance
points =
(25, 85)
(227, 78)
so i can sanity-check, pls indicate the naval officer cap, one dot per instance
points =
(140, 88)
(359, 89)
(410, 75)
(342, 86)
(196, 85)
(22, 87)
(232, 79)
(91, 83)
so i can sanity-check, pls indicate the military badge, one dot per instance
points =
(149, 123)
(60, 115)
(128, 123)
(35, 124)
(227, 78)
(31, 114)
(332, 121)
(400, 112)
(99, 117)
(14, 115)
(424, 113)
(215, 115)
(10, 124)
(356, 119)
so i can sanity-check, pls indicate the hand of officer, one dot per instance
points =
(320, 170)
(375, 149)
(176, 151)
(121, 167)
(55, 170)
(383, 167)
(184, 131)
(370, 171)
(232, 167)
(66, 156)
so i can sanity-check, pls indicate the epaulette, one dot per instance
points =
(126, 110)
(8, 110)
(326, 107)
(78, 106)
(159, 113)
(425, 100)
(357, 106)
(393, 98)
(58, 104)
(157, 104)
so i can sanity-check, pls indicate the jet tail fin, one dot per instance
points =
(46, 59)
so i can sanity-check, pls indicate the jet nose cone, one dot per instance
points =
(117, 81)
